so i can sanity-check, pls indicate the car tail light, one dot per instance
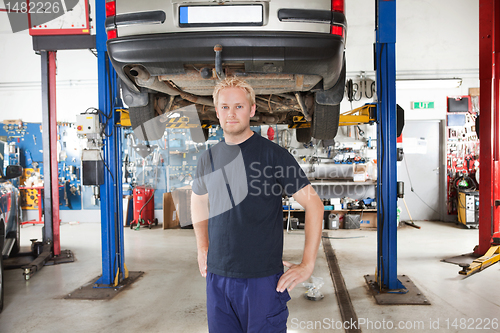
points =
(338, 6)
(112, 34)
(110, 8)
(111, 11)
(337, 30)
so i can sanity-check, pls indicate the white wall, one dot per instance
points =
(435, 39)
(20, 87)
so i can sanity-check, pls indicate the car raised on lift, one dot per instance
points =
(169, 54)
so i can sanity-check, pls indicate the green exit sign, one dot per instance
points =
(423, 105)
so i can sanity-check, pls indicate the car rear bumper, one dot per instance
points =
(260, 52)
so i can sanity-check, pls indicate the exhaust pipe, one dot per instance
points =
(144, 79)
(139, 73)
(302, 106)
(266, 119)
(218, 61)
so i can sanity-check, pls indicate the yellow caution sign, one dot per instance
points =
(180, 122)
(299, 122)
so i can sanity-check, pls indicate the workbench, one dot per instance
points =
(368, 216)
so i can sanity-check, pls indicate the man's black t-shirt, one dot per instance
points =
(245, 183)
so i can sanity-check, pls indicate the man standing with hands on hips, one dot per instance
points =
(237, 216)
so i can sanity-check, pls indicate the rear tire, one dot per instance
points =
(144, 123)
(325, 123)
(303, 135)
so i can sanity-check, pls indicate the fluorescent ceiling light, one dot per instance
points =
(429, 84)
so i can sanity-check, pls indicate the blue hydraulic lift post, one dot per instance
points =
(111, 192)
(385, 57)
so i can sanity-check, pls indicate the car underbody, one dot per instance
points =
(298, 77)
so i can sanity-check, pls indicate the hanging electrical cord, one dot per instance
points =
(382, 210)
(361, 132)
(372, 90)
(107, 117)
(463, 182)
(103, 161)
(411, 187)
(351, 90)
(110, 91)
(356, 89)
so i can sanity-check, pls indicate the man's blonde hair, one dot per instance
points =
(234, 82)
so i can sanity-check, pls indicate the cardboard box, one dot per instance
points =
(334, 201)
(182, 202)
(17, 122)
(473, 91)
(359, 172)
(368, 220)
(170, 218)
(128, 210)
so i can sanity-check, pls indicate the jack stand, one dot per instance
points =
(490, 257)
(409, 295)
(45, 258)
(38, 263)
(41, 255)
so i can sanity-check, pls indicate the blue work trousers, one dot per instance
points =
(246, 305)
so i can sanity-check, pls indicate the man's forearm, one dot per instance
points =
(313, 206)
(199, 216)
(312, 229)
(201, 233)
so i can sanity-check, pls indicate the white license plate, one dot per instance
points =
(220, 15)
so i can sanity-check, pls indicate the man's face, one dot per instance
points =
(234, 111)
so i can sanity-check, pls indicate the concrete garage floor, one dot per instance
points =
(170, 296)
